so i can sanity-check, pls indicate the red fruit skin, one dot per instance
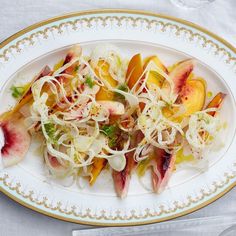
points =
(45, 71)
(74, 52)
(16, 142)
(9, 138)
(54, 166)
(122, 179)
(68, 58)
(164, 165)
(180, 74)
(54, 162)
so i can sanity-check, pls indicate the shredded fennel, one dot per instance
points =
(71, 127)
(77, 127)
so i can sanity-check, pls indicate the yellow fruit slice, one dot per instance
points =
(135, 70)
(97, 167)
(102, 71)
(193, 96)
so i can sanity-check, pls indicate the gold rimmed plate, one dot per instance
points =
(25, 53)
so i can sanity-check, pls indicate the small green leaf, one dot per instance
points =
(18, 91)
(122, 87)
(89, 81)
(109, 130)
(76, 68)
(112, 141)
(50, 130)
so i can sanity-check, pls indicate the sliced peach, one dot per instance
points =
(27, 97)
(142, 106)
(179, 75)
(104, 94)
(55, 166)
(172, 67)
(193, 95)
(122, 179)
(16, 141)
(162, 169)
(168, 112)
(97, 167)
(74, 52)
(102, 71)
(216, 102)
(156, 61)
(114, 108)
(45, 71)
(154, 78)
(135, 70)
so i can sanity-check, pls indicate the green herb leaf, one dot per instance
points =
(18, 91)
(109, 130)
(122, 87)
(50, 130)
(89, 81)
(112, 141)
(76, 68)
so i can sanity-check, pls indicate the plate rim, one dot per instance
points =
(114, 10)
(125, 11)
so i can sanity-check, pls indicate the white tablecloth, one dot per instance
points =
(218, 17)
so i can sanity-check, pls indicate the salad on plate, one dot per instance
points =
(106, 111)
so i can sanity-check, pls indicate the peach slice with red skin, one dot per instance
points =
(74, 52)
(54, 162)
(114, 108)
(161, 169)
(179, 75)
(192, 96)
(55, 165)
(16, 142)
(27, 97)
(122, 179)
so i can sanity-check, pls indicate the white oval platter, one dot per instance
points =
(25, 53)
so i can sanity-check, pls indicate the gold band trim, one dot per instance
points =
(16, 188)
(139, 12)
